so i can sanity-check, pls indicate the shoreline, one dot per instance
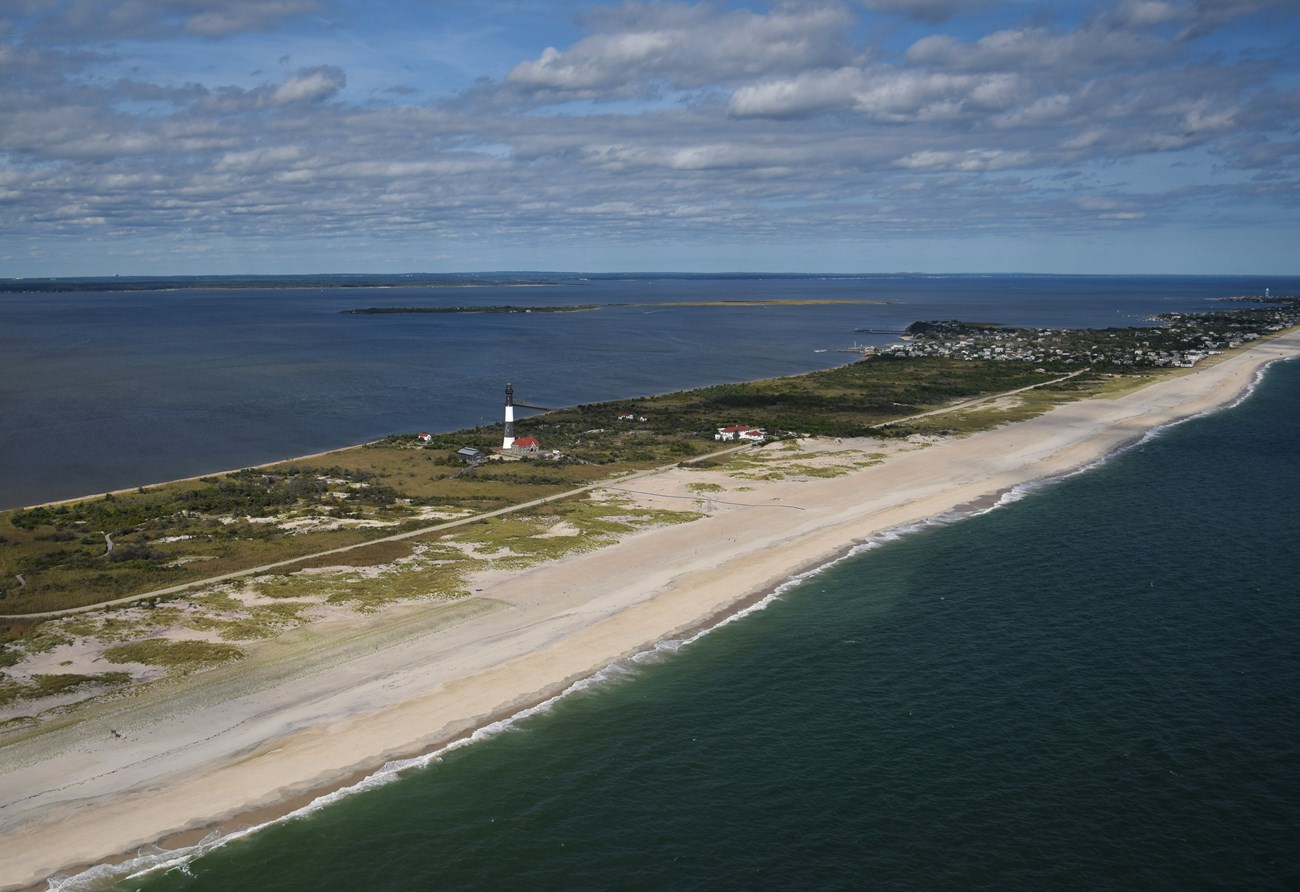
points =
(191, 479)
(184, 845)
(571, 620)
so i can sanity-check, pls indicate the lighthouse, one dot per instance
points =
(509, 439)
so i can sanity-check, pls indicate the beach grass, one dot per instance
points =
(179, 655)
(521, 541)
(59, 557)
(706, 487)
(41, 686)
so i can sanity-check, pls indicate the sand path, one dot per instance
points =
(328, 704)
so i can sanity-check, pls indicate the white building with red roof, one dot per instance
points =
(741, 432)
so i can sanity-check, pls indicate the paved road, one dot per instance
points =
(975, 401)
(435, 528)
(448, 525)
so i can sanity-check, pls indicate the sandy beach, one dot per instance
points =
(329, 704)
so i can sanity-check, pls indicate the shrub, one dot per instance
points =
(173, 654)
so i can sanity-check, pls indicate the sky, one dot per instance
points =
(179, 137)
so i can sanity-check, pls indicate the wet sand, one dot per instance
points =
(332, 703)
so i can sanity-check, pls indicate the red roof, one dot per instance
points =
(527, 443)
(735, 429)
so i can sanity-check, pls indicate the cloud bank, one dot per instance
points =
(306, 130)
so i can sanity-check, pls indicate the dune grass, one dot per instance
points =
(179, 655)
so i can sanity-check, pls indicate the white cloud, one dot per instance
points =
(927, 10)
(1037, 49)
(1206, 16)
(61, 21)
(781, 123)
(802, 94)
(879, 93)
(1147, 13)
(310, 85)
(266, 159)
(907, 95)
(245, 16)
(686, 46)
(966, 160)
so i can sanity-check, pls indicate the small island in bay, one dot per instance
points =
(573, 308)
(485, 308)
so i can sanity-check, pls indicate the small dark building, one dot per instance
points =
(470, 454)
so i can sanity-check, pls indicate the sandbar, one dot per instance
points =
(225, 750)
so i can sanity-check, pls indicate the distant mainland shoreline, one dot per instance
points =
(578, 308)
(505, 308)
(502, 279)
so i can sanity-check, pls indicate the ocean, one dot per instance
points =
(1092, 686)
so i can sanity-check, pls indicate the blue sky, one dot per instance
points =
(299, 136)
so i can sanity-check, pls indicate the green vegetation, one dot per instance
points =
(117, 625)
(705, 487)
(41, 686)
(235, 283)
(288, 514)
(571, 527)
(1183, 340)
(432, 572)
(375, 555)
(175, 533)
(847, 401)
(249, 623)
(95, 550)
(356, 280)
(575, 308)
(782, 464)
(182, 655)
(483, 308)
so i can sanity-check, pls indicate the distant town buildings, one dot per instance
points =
(1184, 340)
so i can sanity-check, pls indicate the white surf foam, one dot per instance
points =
(155, 860)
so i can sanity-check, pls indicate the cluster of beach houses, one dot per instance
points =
(1184, 340)
(519, 448)
(1012, 346)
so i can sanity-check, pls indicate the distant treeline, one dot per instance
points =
(373, 311)
(365, 280)
(234, 283)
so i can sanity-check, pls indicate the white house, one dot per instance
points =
(741, 432)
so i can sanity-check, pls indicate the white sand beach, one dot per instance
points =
(334, 701)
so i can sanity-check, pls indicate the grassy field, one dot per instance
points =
(91, 551)
(224, 622)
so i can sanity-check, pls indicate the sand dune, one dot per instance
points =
(333, 702)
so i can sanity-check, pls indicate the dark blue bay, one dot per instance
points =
(102, 391)
(1095, 687)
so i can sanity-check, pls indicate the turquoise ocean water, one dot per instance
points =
(1095, 686)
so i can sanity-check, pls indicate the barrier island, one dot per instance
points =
(180, 657)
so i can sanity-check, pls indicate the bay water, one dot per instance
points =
(111, 390)
(1093, 686)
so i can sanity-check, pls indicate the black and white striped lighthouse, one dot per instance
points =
(509, 439)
